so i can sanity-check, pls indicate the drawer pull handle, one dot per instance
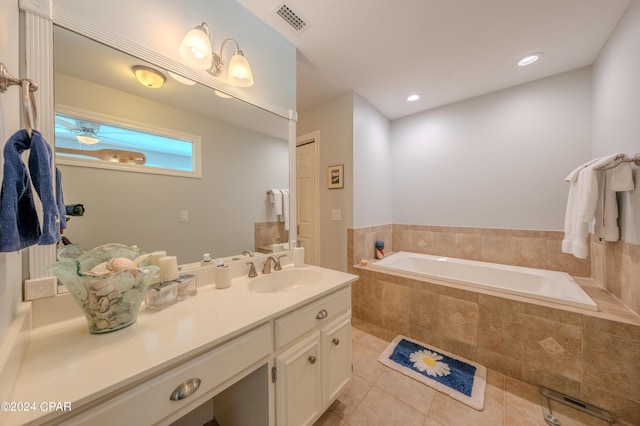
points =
(322, 314)
(336, 341)
(312, 359)
(185, 389)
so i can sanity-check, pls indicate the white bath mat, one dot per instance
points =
(457, 377)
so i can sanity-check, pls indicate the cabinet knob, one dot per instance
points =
(336, 341)
(185, 389)
(322, 314)
(312, 359)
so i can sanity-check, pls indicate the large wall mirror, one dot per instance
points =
(244, 152)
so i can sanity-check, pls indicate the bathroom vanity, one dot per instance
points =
(290, 343)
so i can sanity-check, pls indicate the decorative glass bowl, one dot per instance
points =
(108, 283)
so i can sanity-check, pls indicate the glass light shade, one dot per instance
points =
(87, 140)
(149, 77)
(196, 48)
(180, 79)
(239, 73)
(222, 94)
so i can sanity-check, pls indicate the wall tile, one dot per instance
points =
(501, 331)
(468, 246)
(496, 250)
(624, 408)
(500, 363)
(612, 363)
(529, 252)
(553, 347)
(458, 320)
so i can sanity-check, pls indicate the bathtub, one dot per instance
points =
(540, 284)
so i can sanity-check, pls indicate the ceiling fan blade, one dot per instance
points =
(66, 124)
(114, 155)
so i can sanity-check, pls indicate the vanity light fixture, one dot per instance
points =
(197, 51)
(149, 77)
(222, 94)
(529, 59)
(413, 98)
(180, 79)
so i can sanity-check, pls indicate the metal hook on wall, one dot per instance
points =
(29, 111)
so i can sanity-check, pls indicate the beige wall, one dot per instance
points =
(334, 120)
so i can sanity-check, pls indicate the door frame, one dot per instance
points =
(313, 137)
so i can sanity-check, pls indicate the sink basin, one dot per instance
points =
(285, 280)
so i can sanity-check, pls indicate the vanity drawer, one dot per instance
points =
(150, 402)
(294, 325)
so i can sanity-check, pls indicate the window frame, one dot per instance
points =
(196, 141)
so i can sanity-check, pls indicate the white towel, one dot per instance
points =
(591, 196)
(581, 206)
(285, 208)
(275, 198)
(622, 179)
(606, 214)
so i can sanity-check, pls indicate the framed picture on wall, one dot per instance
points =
(336, 176)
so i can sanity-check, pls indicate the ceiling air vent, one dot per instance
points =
(286, 12)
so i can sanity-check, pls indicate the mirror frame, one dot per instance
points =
(37, 34)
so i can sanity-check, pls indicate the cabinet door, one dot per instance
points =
(298, 391)
(336, 357)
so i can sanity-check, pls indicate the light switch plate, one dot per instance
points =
(184, 216)
(336, 214)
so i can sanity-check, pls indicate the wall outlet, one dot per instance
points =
(184, 216)
(336, 214)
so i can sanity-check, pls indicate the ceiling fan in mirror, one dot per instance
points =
(113, 155)
(88, 133)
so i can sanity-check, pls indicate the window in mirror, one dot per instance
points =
(92, 140)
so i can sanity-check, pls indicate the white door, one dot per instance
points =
(307, 195)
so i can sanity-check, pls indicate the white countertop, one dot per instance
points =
(65, 363)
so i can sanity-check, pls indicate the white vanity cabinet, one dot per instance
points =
(154, 402)
(313, 358)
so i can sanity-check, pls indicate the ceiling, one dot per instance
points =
(444, 50)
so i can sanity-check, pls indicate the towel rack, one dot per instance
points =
(28, 86)
(621, 158)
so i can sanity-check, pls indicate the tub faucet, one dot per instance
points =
(250, 253)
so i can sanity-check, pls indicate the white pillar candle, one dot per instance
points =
(168, 268)
(155, 256)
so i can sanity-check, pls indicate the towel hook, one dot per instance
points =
(29, 111)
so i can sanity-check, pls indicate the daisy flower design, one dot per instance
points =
(428, 361)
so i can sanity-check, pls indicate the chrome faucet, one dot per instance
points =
(252, 270)
(276, 264)
(267, 264)
(250, 253)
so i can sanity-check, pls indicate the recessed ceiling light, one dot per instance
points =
(529, 59)
(413, 98)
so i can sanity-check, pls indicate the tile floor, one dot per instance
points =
(378, 395)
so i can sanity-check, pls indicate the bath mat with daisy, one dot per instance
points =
(457, 377)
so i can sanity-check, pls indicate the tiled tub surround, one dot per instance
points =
(594, 356)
